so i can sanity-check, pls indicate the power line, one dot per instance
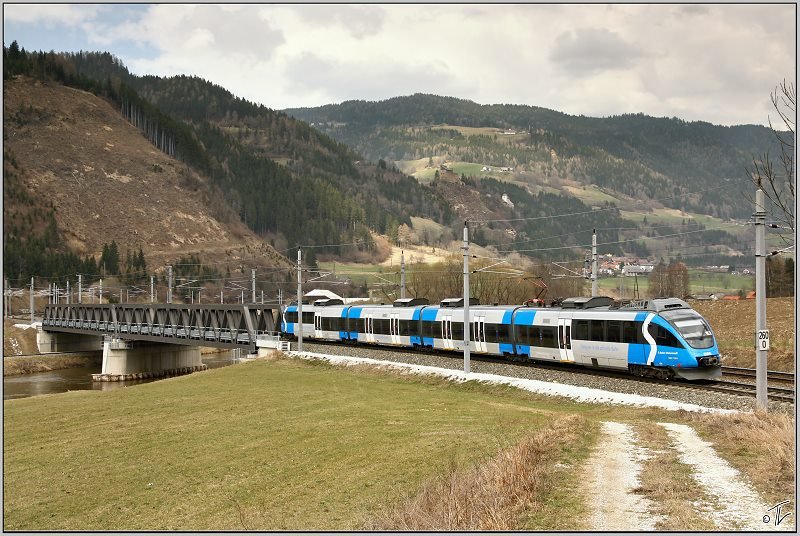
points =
(615, 207)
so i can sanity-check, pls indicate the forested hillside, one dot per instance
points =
(294, 184)
(699, 167)
(283, 179)
(279, 174)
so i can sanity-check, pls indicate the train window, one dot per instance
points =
(490, 332)
(614, 331)
(580, 330)
(458, 331)
(597, 330)
(498, 333)
(663, 336)
(632, 333)
(408, 327)
(504, 333)
(332, 324)
(381, 326)
(430, 328)
(692, 327)
(362, 325)
(531, 335)
(291, 317)
(308, 318)
(547, 336)
(527, 335)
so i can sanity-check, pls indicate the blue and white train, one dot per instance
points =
(660, 338)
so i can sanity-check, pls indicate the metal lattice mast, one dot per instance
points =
(761, 301)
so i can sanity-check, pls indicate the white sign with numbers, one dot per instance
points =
(762, 339)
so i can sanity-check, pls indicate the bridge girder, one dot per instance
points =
(218, 325)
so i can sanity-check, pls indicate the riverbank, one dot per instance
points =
(19, 338)
(17, 365)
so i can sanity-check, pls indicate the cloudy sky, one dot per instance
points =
(714, 63)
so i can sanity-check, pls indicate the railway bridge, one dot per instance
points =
(156, 339)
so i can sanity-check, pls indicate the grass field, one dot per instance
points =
(266, 445)
(591, 195)
(288, 444)
(700, 282)
(360, 273)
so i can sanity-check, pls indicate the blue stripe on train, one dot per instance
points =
(637, 354)
(416, 340)
(429, 314)
(524, 318)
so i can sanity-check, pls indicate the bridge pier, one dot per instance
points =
(50, 342)
(135, 360)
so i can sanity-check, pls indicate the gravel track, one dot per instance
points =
(614, 470)
(677, 392)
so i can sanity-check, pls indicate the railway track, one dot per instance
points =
(776, 393)
(772, 375)
(780, 394)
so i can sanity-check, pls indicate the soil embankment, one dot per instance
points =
(16, 365)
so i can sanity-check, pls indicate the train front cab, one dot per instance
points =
(693, 354)
(677, 340)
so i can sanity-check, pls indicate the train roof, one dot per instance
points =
(597, 303)
(655, 304)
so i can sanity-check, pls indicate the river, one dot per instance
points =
(80, 379)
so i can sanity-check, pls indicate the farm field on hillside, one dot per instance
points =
(734, 324)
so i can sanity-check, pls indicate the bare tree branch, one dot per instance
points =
(779, 186)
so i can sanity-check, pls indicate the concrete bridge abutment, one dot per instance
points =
(50, 342)
(136, 360)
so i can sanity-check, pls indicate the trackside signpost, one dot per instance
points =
(762, 345)
(762, 339)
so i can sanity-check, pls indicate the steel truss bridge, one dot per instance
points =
(221, 326)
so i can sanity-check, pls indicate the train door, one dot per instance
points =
(479, 333)
(318, 325)
(447, 332)
(394, 327)
(565, 339)
(369, 332)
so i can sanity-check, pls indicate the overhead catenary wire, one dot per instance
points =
(615, 207)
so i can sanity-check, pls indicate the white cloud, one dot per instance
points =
(49, 13)
(706, 62)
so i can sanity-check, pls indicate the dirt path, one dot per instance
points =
(613, 480)
(614, 475)
(733, 503)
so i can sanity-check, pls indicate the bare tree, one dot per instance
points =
(779, 184)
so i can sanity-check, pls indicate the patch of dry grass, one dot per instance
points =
(14, 366)
(669, 484)
(18, 341)
(493, 496)
(734, 324)
(760, 445)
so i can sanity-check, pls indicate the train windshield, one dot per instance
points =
(692, 327)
